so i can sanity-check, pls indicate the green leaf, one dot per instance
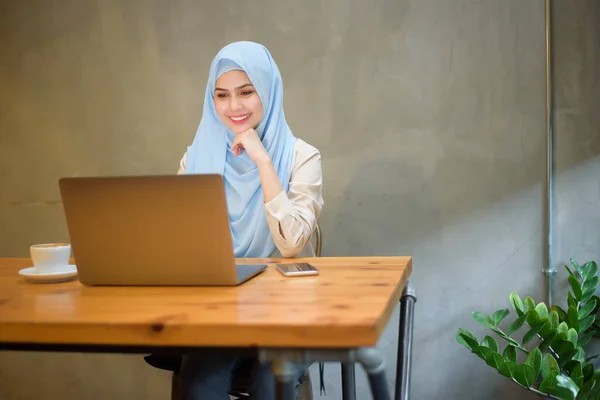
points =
(577, 375)
(554, 319)
(564, 349)
(552, 387)
(590, 284)
(504, 370)
(517, 304)
(566, 357)
(489, 342)
(525, 375)
(500, 333)
(588, 372)
(546, 328)
(587, 295)
(549, 366)
(585, 393)
(576, 287)
(562, 314)
(495, 360)
(532, 333)
(579, 355)
(517, 324)
(572, 318)
(499, 315)
(512, 367)
(503, 335)
(585, 323)
(562, 328)
(478, 353)
(586, 309)
(516, 344)
(467, 339)
(542, 310)
(570, 272)
(570, 366)
(509, 339)
(534, 359)
(585, 338)
(589, 270)
(562, 346)
(547, 341)
(575, 265)
(533, 319)
(567, 383)
(483, 352)
(528, 304)
(483, 319)
(510, 353)
(571, 302)
(572, 336)
(597, 308)
(528, 374)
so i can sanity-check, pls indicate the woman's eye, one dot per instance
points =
(221, 95)
(247, 92)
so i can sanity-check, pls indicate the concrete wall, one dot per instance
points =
(430, 116)
(577, 124)
(577, 87)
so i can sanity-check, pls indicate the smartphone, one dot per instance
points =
(297, 269)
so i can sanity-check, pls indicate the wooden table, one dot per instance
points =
(330, 316)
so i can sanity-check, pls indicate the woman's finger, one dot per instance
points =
(237, 148)
(235, 143)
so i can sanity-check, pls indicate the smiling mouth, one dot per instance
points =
(239, 119)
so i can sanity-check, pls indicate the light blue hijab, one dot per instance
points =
(209, 152)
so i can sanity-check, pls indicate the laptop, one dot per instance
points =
(170, 230)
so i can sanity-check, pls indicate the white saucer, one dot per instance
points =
(67, 273)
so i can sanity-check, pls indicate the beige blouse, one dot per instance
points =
(297, 211)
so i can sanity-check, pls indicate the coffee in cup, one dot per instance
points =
(50, 257)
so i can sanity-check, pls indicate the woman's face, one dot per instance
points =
(237, 103)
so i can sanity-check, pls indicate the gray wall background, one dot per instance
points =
(430, 116)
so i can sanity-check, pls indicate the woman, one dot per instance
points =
(272, 181)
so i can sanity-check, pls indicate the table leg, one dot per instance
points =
(374, 365)
(371, 359)
(285, 379)
(348, 381)
(405, 335)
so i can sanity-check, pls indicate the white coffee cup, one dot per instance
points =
(50, 257)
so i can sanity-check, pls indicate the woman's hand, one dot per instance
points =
(249, 141)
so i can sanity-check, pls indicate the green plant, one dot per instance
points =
(557, 367)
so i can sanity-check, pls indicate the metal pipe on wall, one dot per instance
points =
(549, 271)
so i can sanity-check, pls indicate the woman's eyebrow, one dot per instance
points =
(239, 87)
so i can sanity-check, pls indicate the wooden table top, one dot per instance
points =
(347, 305)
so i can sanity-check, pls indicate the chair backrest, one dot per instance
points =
(318, 239)
(318, 246)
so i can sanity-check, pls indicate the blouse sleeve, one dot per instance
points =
(182, 164)
(292, 217)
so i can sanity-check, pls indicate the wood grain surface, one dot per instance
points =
(347, 305)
